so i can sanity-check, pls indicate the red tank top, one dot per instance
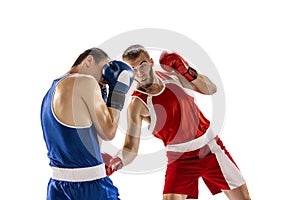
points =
(175, 118)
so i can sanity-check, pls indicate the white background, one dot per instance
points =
(254, 45)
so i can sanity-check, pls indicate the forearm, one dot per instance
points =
(115, 115)
(110, 123)
(204, 85)
(127, 155)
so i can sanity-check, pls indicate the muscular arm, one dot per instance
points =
(134, 121)
(201, 84)
(105, 119)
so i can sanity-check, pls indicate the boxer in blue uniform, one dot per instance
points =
(76, 115)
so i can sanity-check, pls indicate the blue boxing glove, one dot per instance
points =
(119, 77)
(104, 93)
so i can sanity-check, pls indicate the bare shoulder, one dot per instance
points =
(79, 77)
(135, 105)
(83, 81)
(138, 108)
(80, 84)
(84, 77)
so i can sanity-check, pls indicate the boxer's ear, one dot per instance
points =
(151, 62)
(89, 60)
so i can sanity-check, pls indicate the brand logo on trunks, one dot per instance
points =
(152, 153)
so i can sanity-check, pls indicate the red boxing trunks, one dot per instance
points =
(212, 162)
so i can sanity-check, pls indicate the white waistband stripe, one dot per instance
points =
(79, 174)
(193, 144)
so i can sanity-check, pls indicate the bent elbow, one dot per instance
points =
(109, 137)
(109, 134)
(209, 91)
(213, 90)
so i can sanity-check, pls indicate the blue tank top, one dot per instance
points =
(68, 147)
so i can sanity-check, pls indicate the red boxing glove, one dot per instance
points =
(112, 164)
(171, 60)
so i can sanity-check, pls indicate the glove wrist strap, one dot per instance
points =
(191, 74)
(120, 156)
(115, 99)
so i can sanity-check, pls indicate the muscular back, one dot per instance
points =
(68, 104)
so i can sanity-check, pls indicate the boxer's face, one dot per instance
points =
(142, 67)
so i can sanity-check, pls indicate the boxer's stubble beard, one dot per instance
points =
(149, 84)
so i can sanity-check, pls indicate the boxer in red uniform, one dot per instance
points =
(193, 150)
